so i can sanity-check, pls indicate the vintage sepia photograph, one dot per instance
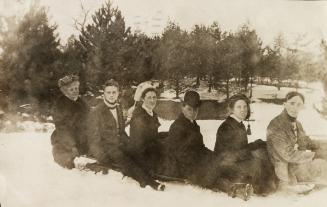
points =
(160, 103)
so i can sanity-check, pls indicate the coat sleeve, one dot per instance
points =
(64, 124)
(223, 133)
(138, 135)
(277, 139)
(225, 146)
(93, 135)
(186, 143)
(306, 142)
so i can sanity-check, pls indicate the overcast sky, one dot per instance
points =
(268, 17)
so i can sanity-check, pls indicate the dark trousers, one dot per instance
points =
(123, 162)
(257, 170)
(63, 157)
(211, 174)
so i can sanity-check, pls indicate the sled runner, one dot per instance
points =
(89, 164)
(304, 188)
(170, 179)
(96, 168)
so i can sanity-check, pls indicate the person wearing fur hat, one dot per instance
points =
(292, 152)
(144, 144)
(193, 161)
(69, 114)
(252, 158)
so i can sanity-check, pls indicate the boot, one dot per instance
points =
(154, 185)
(158, 186)
(241, 190)
(96, 167)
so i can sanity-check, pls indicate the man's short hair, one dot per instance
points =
(192, 98)
(111, 82)
(292, 94)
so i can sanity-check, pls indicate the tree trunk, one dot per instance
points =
(227, 89)
(177, 87)
(210, 83)
(197, 81)
(251, 85)
(246, 83)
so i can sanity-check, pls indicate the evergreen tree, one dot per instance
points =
(251, 49)
(30, 50)
(173, 51)
(229, 63)
(202, 45)
(104, 41)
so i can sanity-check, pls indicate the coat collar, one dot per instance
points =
(150, 112)
(234, 122)
(106, 111)
(109, 105)
(286, 122)
(186, 121)
(286, 118)
(139, 111)
(68, 100)
(236, 119)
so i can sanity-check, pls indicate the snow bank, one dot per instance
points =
(33, 179)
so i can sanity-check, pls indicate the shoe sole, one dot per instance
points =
(248, 192)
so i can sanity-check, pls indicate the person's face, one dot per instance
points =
(240, 109)
(111, 94)
(71, 90)
(150, 100)
(190, 112)
(293, 106)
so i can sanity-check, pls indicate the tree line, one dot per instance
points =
(32, 58)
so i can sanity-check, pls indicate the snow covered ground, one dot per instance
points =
(29, 177)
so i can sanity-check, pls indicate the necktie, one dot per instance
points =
(294, 128)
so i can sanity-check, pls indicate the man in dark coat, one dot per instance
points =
(194, 161)
(69, 114)
(107, 137)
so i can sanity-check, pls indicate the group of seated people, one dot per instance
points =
(236, 167)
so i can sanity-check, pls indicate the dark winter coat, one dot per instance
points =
(187, 157)
(108, 143)
(144, 143)
(185, 143)
(104, 135)
(252, 158)
(69, 134)
(232, 137)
